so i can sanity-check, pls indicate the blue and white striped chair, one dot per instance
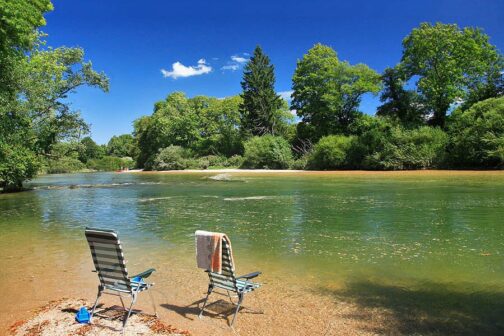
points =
(110, 265)
(229, 282)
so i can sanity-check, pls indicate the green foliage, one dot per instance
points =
(202, 124)
(261, 105)
(327, 91)
(477, 135)
(392, 147)
(89, 149)
(34, 86)
(398, 103)
(267, 152)
(64, 165)
(16, 163)
(111, 163)
(121, 146)
(448, 61)
(331, 152)
(171, 158)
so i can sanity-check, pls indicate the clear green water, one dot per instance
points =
(408, 231)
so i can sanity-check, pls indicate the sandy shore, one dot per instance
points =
(287, 172)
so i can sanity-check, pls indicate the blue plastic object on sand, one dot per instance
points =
(82, 315)
(137, 279)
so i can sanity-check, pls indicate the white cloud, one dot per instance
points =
(180, 70)
(235, 63)
(286, 95)
(232, 67)
(238, 59)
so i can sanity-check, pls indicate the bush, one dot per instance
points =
(477, 135)
(111, 163)
(331, 152)
(235, 161)
(172, 158)
(268, 152)
(300, 163)
(64, 165)
(397, 148)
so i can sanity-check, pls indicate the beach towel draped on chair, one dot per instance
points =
(108, 259)
(222, 277)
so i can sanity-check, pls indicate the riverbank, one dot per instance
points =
(280, 172)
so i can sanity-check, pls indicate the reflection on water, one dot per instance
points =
(330, 229)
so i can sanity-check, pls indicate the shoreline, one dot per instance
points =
(420, 172)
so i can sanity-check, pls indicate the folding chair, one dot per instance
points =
(110, 265)
(228, 281)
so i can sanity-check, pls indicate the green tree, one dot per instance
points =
(261, 104)
(121, 146)
(35, 83)
(331, 152)
(89, 149)
(399, 103)
(448, 62)
(327, 91)
(477, 135)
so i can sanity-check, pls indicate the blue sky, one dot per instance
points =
(146, 47)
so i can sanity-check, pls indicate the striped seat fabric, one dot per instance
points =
(109, 260)
(227, 280)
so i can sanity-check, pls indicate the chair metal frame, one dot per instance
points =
(229, 282)
(106, 251)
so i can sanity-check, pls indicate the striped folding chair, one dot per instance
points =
(229, 282)
(110, 265)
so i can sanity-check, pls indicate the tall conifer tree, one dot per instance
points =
(261, 104)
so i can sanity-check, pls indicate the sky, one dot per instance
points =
(151, 48)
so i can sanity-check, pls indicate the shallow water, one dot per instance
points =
(416, 231)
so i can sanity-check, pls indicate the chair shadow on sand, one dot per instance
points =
(430, 309)
(219, 309)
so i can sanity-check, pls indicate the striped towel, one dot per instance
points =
(209, 250)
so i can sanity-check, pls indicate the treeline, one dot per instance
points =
(85, 155)
(442, 107)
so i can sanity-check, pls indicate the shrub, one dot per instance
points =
(235, 161)
(64, 165)
(171, 158)
(398, 148)
(111, 163)
(331, 152)
(300, 163)
(477, 135)
(268, 152)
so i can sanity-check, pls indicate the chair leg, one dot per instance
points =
(100, 289)
(153, 303)
(240, 300)
(210, 289)
(126, 317)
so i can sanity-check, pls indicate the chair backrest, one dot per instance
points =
(108, 259)
(226, 280)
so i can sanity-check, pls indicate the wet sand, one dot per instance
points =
(283, 306)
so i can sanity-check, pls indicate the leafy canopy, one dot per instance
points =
(327, 91)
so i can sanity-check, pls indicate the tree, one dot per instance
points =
(121, 146)
(261, 104)
(89, 149)
(477, 135)
(327, 91)
(34, 85)
(399, 103)
(267, 152)
(448, 62)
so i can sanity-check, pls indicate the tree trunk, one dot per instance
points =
(12, 187)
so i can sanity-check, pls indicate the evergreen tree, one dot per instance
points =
(260, 108)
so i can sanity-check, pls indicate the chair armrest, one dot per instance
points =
(144, 274)
(249, 276)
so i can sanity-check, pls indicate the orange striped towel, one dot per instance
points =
(209, 250)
